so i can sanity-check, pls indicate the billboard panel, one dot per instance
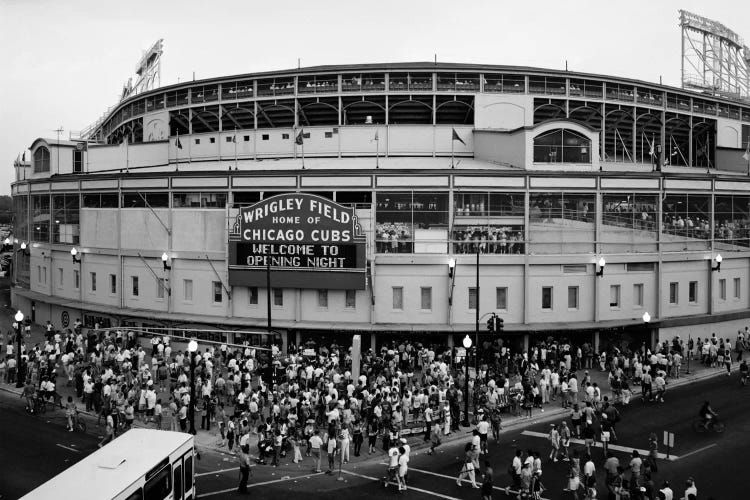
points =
(304, 240)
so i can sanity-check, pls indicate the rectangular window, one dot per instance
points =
(44, 275)
(323, 298)
(547, 297)
(614, 296)
(501, 298)
(350, 301)
(60, 276)
(573, 297)
(264, 137)
(134, 283)
(93, 281)
(197, 141)
(212, 140)
(472, 298)
(252, 295)
(160, 288)
(77, 160)
(278, 297)
(329, 135)
(113, 284)
(693, 292)
(398, 297)
(39, 274)
(187, 290)
(246, 138)
(723, 289)
(218, 294)
(638, 295)
(76, 279)
(426, 298)
(285, 136)
(673, 293)
(737, 293)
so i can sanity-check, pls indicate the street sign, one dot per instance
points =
(669, 439)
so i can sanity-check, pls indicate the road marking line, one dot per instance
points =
(454, 478)
(598, 444)
(216, 472)
(253, 485)
(427, 492)
(68, 448)
(696, 451)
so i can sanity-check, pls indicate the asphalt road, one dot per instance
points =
(33, 449)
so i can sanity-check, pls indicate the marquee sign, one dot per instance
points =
(306, 241)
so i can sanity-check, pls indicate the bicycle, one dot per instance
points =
(78, 423)
(35, 405)
(700, 426)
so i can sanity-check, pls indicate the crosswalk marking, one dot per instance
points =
(611, 446)
(254, 485)
(427, 492)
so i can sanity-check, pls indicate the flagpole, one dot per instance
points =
(177, 151)
(303, 148)
(377, 150)
(234, 140)
(452, 141)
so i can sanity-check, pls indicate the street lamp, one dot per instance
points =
(19, 329)
(467, 346)
(451, 267)
(602, 263)
(164, 259)
(718, 260)
(646, 317)
(192, 348)
(74, 254)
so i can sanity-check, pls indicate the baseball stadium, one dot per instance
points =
(420, 200)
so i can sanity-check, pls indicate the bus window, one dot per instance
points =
(158, 487)
(189, 473)
(178, 482)
(136, 495)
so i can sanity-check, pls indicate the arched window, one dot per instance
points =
(41, 160)
(562, 146)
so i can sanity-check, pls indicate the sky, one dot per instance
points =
(63, 63)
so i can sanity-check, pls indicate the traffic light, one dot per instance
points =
(499, 324)
(491, 323)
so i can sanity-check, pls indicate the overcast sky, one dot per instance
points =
(64, 62)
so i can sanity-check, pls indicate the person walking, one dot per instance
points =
(435, 440)
(487, 484)
(467, 468)
(315, 444)
(243, 457)
(565, 440)
(554, 440)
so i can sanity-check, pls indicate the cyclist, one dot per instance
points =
(70, 412)
(743, 372)
(706, 413)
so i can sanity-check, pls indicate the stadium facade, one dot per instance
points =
(540, 172)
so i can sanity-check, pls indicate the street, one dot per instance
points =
(36, 448)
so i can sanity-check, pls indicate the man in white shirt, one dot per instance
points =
(483, 427)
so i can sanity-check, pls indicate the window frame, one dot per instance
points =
(577, 297)
(350, 299)
(501, 305)
(550, 297)
(187, 286)
(617, 290)
(113, 284)
(722, 289)
(638, 293)
(674, 293)
(397, 291)
(252, 293)
(692, 292)
(135, 290)
(737, 288)
(428, 296)
(217, 292)
(322, 295)
(278, 297)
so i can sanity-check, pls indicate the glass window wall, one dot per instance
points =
(411, 222)
(561, 223)
(199, 200)
(732, 222)
(686, 222)
(562, 146)
(489, 222)
(629, 222)
(66, 227)
(40, 217)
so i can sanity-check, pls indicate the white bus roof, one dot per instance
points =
(111, 469)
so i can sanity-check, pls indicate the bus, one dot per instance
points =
(141, 464)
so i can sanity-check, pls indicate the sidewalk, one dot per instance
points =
(209, 440)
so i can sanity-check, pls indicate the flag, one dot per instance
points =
(234, 139)
(178, 143)
(746, 156)
(299, 140)
(456, 137)
(24, 156)
(376, 138)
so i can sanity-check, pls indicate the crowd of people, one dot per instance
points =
(310, 404)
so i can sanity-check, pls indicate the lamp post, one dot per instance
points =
(192, 348)
(19, 329)
(646, 320)
(602, 263)
(718, 260)
(74, 254)
(164, 260)
(467, 346)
